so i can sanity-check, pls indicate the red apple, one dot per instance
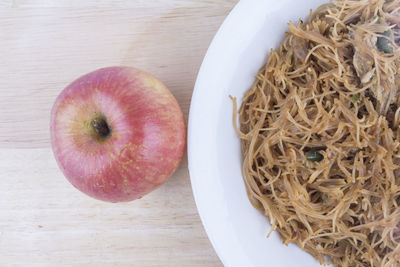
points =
(117, 133)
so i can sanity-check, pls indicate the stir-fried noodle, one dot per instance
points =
(320, 134)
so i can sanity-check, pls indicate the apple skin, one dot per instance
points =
(140, 145)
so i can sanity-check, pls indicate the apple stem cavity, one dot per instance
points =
(100, 129)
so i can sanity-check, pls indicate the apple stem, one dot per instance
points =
(101, 128)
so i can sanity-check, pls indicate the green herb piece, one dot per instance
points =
(324, 197)
(383, 44)
(355, 98)
(314, 156)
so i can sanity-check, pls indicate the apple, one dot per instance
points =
(117, 133)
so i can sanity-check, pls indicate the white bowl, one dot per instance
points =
(236, 229)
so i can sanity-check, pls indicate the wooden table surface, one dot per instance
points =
(45, 45)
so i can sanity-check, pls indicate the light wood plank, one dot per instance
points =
(43, 49)
(47, 44)
(220, 4)
(45, 221)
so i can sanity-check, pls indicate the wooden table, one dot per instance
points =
(45, 45)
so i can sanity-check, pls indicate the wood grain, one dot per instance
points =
(47, 44)
(222, 5)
